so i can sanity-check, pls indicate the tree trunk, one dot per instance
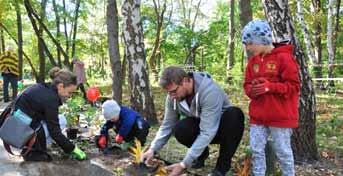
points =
(304, 137)
(2, 41)
(66, 57)
(20, 39)
(57, 44)
(245, 15)
(337, 30)
(77, 9)
(40, 45)
(330, 41)
(317, 68)
(141, 96)
(113, 44)
(159, 18)
(231, 41)
(245, 12)
(307, 38)
(58, 32)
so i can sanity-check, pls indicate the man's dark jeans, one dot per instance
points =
(228, 136)
(13, 79)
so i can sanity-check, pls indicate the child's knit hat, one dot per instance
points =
(110, 109)
(257, 32)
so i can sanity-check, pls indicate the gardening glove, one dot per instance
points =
(78, 154)
(102, 141)
(262, 87)
(119, 139)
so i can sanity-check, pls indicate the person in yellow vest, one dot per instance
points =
(10, 73)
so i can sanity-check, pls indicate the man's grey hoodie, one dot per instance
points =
(208, 104)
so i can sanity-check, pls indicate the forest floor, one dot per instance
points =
(116, 162)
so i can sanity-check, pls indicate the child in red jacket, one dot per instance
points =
(272, 84)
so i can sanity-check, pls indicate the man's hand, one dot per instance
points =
(119, 139)
(102, 142)
(148, 156)
(176, 169)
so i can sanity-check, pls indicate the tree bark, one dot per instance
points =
(77, 9)
(66, 57)
(307, 37)
(159, 18)
(141, 96)
(2, 41)
(304, 137)
(245, 15)
(245, 12)
(317, 68)
(231, 43)
(331, 56)
(113, 44)
(336, 29)
(20, 39)
(41, 45)
(58, 32)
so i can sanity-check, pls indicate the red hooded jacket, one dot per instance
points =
(279, 106)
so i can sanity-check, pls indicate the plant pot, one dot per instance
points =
(72, 133)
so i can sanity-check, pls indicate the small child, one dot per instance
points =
(128, 124)
(272, 84)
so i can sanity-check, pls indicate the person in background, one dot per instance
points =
(128, 124)
(10, 73)
(79, 71)
(272, 84)
(198, 112)
(41, 102)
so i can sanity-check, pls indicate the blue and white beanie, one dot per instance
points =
(257, 32)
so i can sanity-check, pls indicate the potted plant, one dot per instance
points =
(71, 110)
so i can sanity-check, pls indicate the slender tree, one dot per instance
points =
(20, 38)
(317, 64)
(159, 12)
(141, 96)
(2, 41)
(113, 44)
(231, 43)
(329, 44)
(41, 46)
(304, 137)
(76, 17)
(58, 31)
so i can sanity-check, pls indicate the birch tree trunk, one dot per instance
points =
(141, 96)
(113, 44)
(329, 41)
(231, 43)
(307, 37)
(20, 38)
(317, 68)
(304, 137)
